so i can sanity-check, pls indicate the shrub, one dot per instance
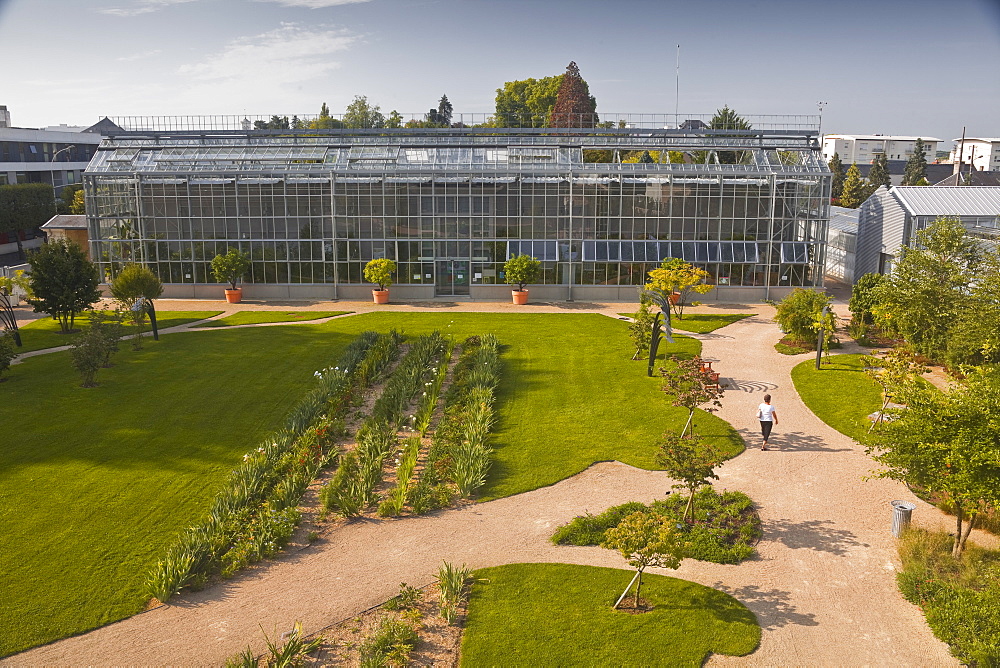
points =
(453, 583)
(864, 296)
(88, 355)
(407, 598)
(389, 645)
(7, 352)
(799, 312)
(63, 281)
(725, 528)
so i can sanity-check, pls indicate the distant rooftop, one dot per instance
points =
(949, 200)
(883, 137)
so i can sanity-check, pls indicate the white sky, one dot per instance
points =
(907, 67)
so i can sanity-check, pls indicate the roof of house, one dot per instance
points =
(844, 219)
(991, 140)
(978, 179)
(949, 200)
(66, 222)
(882, 138)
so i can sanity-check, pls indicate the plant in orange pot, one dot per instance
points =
(231, 268)
(521, 270)
(379, 271)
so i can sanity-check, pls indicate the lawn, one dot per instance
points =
(260, 317)
(561, 615)
(45, 333)
(840, 394)
(703, 323)
(98, 482)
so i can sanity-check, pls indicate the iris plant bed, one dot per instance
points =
(45, 333)
(561, 615)
(261, 317)
(725, 529)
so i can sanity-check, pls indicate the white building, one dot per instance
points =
(863, 149)
(30, 155)
(982, 152)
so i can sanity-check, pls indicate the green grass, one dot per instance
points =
(98, 482)
(840, 394)
(561, 615)
(725, 529)
(961, 599)
(259, 317)
(703, 323)
(45, 332)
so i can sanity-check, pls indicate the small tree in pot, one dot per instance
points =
(379, 271)
(521, 270)
(231, 268)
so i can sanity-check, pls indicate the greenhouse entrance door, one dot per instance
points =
(451, 278)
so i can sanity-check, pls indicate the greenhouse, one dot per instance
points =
(450, 205)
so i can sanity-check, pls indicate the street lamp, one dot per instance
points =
(52, 174)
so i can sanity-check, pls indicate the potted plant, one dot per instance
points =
(230, 268)
(379, 271)
(521, 270)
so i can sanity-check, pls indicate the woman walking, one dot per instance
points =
(768, 417)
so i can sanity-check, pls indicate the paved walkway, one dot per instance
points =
(823, 586)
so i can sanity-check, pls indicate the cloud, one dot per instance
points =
(140, 56)
(142, 7)
(314, 4)
(289, 54)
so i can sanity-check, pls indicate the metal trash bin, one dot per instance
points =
(901, 512)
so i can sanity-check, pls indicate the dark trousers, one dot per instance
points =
(765, 428)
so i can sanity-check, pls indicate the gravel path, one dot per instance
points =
(823, 586)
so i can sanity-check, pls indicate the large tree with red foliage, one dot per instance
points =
(575, 107)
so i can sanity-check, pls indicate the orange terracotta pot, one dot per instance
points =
(520, 297)
(675, 297)
(234, 296)
(380, 296)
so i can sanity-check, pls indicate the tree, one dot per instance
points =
(692, 462)
(68, 197)
(88, 354)
(380, 271)
(361, 114)
(575, 107)
(521, 270)
(855, 191)
(945, 442)
(11, 288)
(916, 166)
(837, 167)
(798, 314)
(930, 286)
(974, 336)
(276, 123)
(78, 206)
(63, 281)
(878, 175)
(394, 120)
(324, 121)
(441, 116)
(728, 119)
(641, 328)
(527, 103)
(864, 297)
(134, 288)
(230, 267)
(25, 206)
(645, 539)
(692, 384)
(677, 276)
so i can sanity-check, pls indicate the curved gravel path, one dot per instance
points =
(823, 586)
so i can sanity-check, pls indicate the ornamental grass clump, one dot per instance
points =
(407, 462)
(453, 582)
(389, 645)
(432, 391)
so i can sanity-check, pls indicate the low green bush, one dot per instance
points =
(725, 529)
(960, 598)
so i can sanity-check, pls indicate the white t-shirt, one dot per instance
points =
(765, 412)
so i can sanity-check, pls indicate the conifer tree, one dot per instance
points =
(855, 191)
(837, 167)
(646, 158)
(444, 110)
(728, 119)
(916, 166)
(575, 107)
(879, 173)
